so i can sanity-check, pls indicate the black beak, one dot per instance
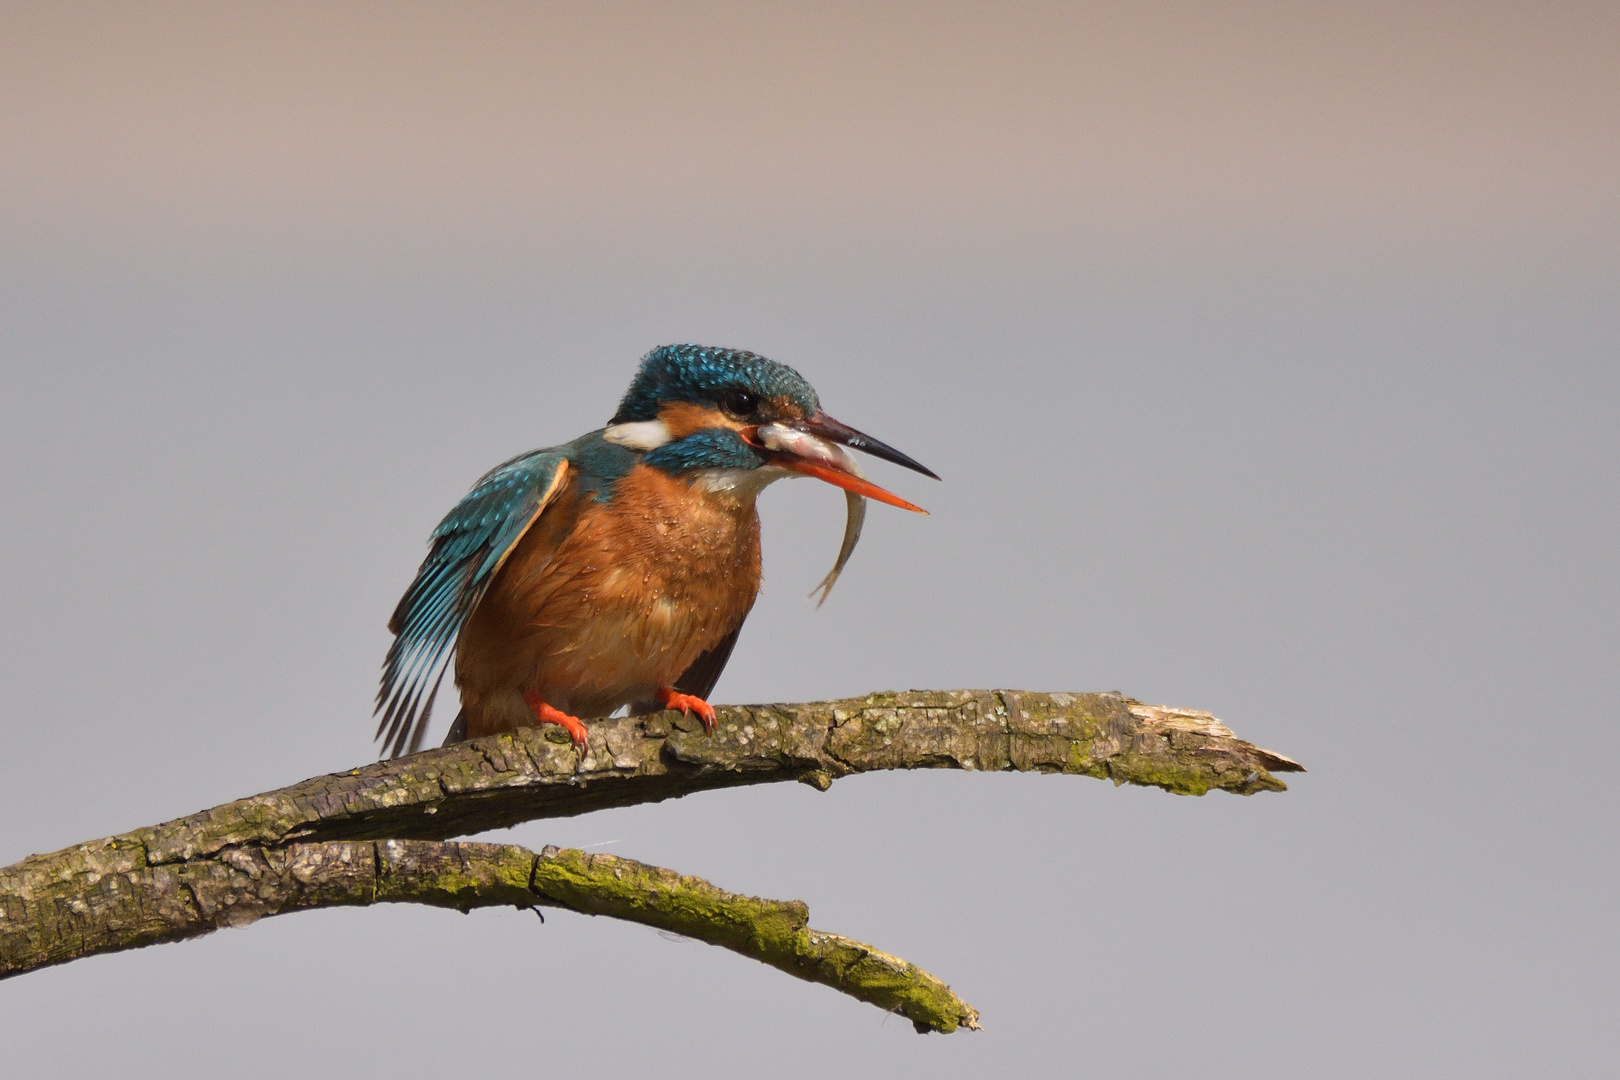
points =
(826, 427)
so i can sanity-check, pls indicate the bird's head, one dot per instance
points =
(739, 420)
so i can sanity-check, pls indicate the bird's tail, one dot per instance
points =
(458, 729)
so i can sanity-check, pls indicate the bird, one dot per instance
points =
(616, 570)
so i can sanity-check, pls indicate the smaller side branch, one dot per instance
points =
(149, 904)
(774, 932)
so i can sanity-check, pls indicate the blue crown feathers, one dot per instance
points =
(699, 373)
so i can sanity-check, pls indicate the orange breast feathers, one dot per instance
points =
(602, 603)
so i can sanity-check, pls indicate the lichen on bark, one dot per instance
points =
(371, 834)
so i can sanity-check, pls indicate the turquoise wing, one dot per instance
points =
(466, 550)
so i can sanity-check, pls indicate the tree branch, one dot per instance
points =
(358, 837)
(242, 885)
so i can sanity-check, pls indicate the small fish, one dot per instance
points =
(856, 517)
(807, 447)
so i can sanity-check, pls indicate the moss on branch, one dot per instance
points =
(368, 835)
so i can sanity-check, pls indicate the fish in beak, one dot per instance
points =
(815, 447)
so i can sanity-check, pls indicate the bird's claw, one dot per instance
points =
(548, 715)
(575, 729)
(674, 699)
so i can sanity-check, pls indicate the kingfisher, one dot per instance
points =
(616, 570)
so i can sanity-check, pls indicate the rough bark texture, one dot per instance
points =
(357, 837)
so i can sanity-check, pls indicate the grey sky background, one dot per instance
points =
(1271, 357)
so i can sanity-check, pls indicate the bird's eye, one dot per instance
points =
(740, 403)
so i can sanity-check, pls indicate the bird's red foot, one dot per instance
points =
(674, 699)
(547, 715)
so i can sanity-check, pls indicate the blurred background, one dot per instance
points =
(1270, 354)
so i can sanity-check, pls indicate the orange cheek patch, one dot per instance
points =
(682, 418)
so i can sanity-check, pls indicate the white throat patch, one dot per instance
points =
(739, 483)
(638, 434)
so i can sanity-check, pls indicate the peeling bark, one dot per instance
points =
(361, 837)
